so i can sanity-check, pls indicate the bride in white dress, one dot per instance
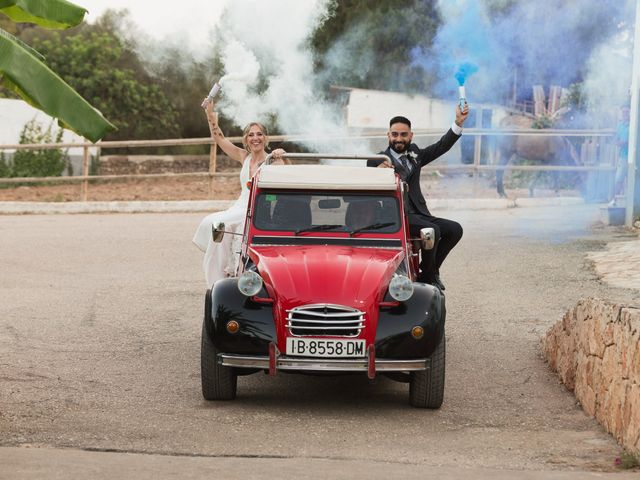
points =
(219, 258)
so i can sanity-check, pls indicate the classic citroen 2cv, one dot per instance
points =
(326, 284)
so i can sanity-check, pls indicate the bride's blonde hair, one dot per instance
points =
(245, 134)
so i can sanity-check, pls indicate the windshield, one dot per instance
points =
(351, 213)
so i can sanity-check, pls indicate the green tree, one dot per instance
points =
(361, 36)
(103, 68)
(186, 82)
(23, 71)
(5, 169)
(39, 163)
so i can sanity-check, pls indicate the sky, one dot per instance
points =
(161, 22)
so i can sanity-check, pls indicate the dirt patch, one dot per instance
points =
(227, 188)
(135, 189)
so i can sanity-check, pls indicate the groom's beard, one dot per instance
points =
(399, 146)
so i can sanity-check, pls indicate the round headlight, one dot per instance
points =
(249, 283)
(401, 288)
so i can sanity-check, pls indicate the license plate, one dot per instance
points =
(315, 347)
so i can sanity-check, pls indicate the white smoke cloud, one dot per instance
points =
(261, 42)
(275, 47)
(242, 69)
(608, 80)
(241, 64)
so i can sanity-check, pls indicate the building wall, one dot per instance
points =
(372, 109)
(369, 111)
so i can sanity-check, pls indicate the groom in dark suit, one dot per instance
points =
(408, 159)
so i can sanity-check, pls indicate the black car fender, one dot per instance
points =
(224, 303)
(426, 309)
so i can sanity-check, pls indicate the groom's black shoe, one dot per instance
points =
(431, 279)
(437, 282)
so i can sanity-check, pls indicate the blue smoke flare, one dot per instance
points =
(465, 69)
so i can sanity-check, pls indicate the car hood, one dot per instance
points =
(340, 275)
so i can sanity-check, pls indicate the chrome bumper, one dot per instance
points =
(323, 364)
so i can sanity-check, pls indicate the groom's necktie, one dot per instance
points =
(406, 164)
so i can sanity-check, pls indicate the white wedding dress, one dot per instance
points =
(221, 259)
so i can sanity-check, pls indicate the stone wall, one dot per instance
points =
(133, 164)
(595, 349)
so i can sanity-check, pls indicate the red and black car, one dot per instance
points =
(326, 284)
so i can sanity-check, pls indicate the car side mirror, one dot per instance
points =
(217, 232)
(427, 238)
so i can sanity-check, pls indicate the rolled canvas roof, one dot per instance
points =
(326, 177)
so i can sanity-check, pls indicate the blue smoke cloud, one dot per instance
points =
(465, 69)
(514, 47)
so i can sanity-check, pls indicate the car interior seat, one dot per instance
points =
(292, 214)
(361, 213)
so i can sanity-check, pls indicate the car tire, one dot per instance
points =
(426, 388)
(218, 382)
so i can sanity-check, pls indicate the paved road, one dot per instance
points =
(100, 319)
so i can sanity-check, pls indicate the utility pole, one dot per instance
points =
(633, 172)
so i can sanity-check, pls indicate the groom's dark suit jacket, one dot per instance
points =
(423, 156)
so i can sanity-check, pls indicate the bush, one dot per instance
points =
(5, 169)
(39, 163)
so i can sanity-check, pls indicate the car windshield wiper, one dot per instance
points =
(373, 226)
(318, 228)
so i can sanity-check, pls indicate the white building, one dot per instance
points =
(369, 111)
(372, 110)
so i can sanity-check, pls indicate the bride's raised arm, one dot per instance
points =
(234, 152)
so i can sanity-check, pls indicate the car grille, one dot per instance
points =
(325, 320)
